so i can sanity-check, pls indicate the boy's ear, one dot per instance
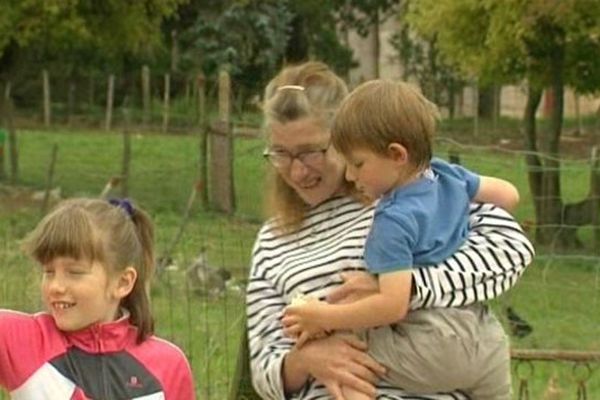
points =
(398, 153)
(126, 282)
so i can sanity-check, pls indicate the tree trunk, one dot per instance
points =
(548, 201)
(377, 43)
(553, 197)
(534, 164)
(296, 49)
(486, 103)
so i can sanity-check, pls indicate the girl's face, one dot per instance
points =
(308, 163)
(78, 293)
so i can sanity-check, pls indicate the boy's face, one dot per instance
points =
(78, 293)
(374, 174)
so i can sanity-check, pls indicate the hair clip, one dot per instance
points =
(123, 204)
(291, 87)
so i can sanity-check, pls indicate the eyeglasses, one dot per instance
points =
(282, 159)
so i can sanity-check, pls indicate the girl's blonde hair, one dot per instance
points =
(380, 112)
(309, 91)
(98, 231)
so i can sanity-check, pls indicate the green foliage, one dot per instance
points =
(84, 32)
(249, 36)
(421, 60)
(361, 15)
(501, 41)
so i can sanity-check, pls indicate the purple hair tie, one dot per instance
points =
(123, 204)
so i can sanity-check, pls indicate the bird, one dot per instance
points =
(553, 391)
(206, 280)
(518, 326)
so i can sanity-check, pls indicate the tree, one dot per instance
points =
(547, 43)
(421, 60)
(248, 36)
(71, 36)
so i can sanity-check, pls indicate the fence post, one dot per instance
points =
(109, 102)
(46, 91)
(12, 135)
(2, 141)
(595, 195)
(166, 98)
(221, 146)
(146, 95)
(49, 179)
(125, 168)
(241, 386)
(203, 139)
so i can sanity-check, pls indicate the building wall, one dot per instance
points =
(512, 98)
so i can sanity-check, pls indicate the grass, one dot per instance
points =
(559, 295)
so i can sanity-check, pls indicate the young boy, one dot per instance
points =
(384, 130)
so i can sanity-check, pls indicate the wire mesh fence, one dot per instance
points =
(558, 297)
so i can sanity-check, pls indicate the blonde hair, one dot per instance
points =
(380, 112)
(309, 91)
(97, 231)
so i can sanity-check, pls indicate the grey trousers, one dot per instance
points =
(445, 349)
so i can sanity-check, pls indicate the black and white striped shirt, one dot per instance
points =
(331, 241)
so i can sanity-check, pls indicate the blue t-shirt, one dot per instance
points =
(424, 222)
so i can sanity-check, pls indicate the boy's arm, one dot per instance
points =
(386, 307)
(498, 192)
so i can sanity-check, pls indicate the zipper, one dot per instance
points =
(98, 342)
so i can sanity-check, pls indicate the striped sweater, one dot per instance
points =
(331, 241)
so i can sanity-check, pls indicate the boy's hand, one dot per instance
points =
(301, 321)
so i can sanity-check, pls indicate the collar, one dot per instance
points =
(104, 337)
(422, 180)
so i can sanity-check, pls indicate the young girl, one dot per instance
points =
(96, 339)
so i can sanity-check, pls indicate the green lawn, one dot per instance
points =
(559, 295)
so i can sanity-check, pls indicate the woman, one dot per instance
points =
(317, 231)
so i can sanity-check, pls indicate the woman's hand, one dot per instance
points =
(339, 360)
(357, 285)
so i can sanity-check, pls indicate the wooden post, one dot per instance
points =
(221, 147)
(146, 95)
(203, 139)
(91, 92)
(3, 133)
(454, 156)
(49, 179)
(241, 386)
(2, 142)
(125, 167)
(595, 196)
(476, 109)
(166, 98)
(109, 102)
(71, 100)
(12, 136)
(46, 91)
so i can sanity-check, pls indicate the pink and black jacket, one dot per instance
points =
(40, 362)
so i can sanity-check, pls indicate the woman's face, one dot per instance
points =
(307, 161)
